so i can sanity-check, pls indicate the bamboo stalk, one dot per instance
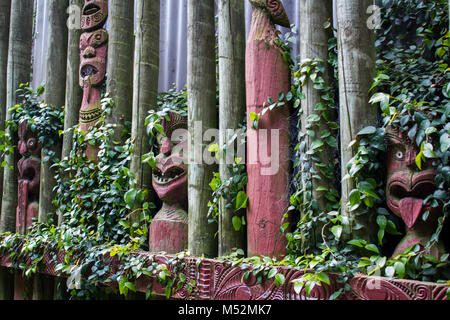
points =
(201, 80)
(231, 105)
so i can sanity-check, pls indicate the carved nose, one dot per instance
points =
(166, 147)
(89, 52)
(411, 158)
(23, 149)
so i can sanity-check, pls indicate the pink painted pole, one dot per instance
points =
(267, 74)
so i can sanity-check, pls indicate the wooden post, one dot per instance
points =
(5, 10)
(55, 91)
(119, 82)
(74, 94)
(314, 44)
(54, 95)
(268, 167)
(231, 105)
(356, 70)
(145, 90)
(201, 81)
(18, 71)
(19, 68)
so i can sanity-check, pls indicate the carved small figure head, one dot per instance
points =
(28, 144)
(276, 10)
(407, 187)
(29, 166)
(94, 14)
(170, 175)
(93, 50)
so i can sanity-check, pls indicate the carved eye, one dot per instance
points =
(399, 155)
(31, 144)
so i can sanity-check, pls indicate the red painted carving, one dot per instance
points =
(94, 14)
(406, 189)
(267, 74)
(93, 54)
(169, 228)
(29, 167)
(221, 280)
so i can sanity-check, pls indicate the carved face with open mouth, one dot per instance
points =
(29, 166)
(407, 187)
(93, 50)
(94, 14)
(170, 175)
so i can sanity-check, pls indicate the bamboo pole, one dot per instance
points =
(5, 9)
(231, 105)
(201, 80)
(18, 71)
(145, 90)
(356, 70)
(119, 82)
(314, 44)
(55, 91)
(74, 94)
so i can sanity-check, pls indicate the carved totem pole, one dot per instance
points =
(267, 74)
(93, 51)
(29, 167)
(406, 189)
(169, 228)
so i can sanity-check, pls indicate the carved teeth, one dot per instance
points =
(170, 175)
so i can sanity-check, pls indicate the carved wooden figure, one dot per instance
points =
(93, 54)
(29, 167)
(406, 189)
(267, 74)
(169, 228)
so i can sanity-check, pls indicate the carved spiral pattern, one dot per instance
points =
(278, 13)
(422, 293)
(275, 7)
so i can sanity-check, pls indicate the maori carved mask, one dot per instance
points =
(276, 10)
(93, 50)
(28, 143)
(170, 175)
(29, 166)
(406, 186)
(94, 14)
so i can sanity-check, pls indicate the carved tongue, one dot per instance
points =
(410, 209)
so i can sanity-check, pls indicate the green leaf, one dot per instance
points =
(355, 199)
(241, 200)
(313, 118)
(323, 277)
(400, 269)
(373, 248)
(316, 144)
(130, 197)
(272, 273)
(389, 272)
(379, 97)
(279, 279)
(356, 242)
(382, 222)
(367, 131)
(130, 286)
(428, 151)
(337, 231)
(237, 223)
